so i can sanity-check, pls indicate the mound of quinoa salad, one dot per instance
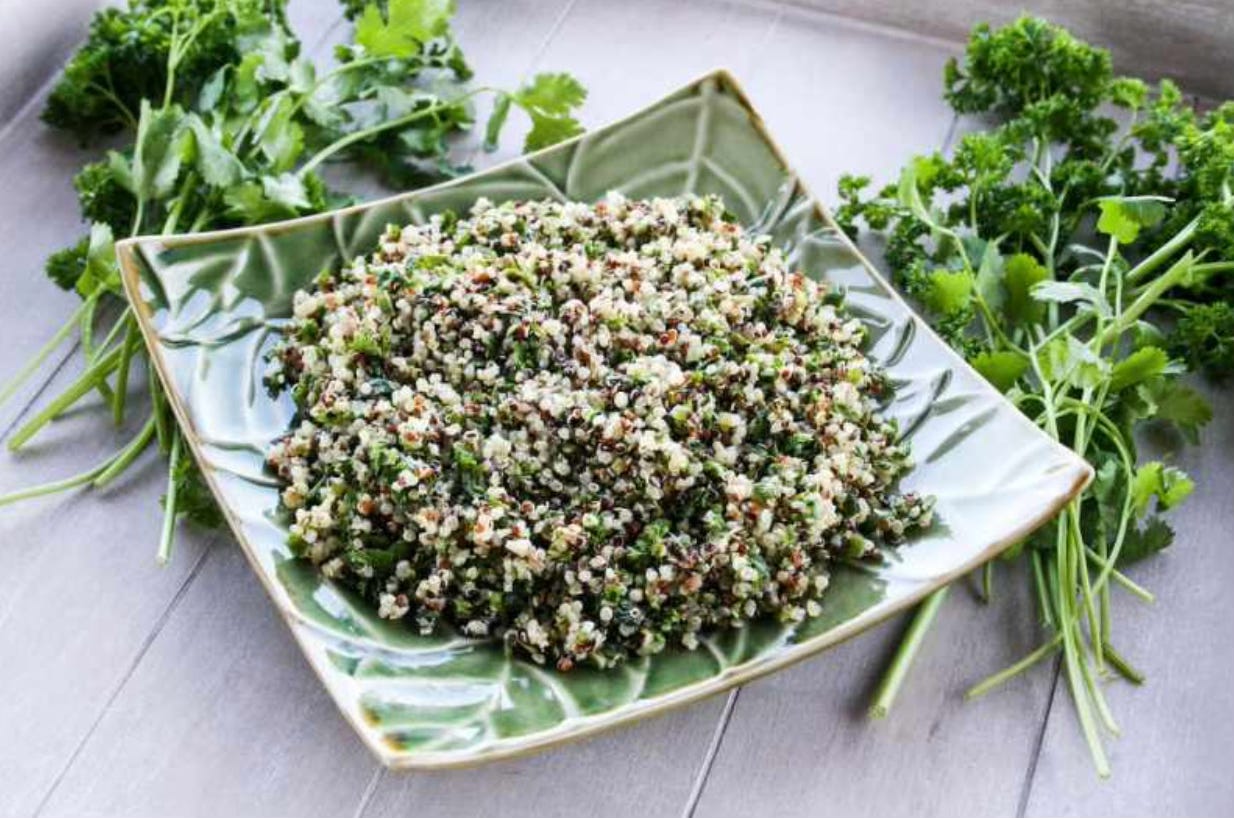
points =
(591, 431)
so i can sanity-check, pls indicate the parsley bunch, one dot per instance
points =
(227, 124)
(1081, 262)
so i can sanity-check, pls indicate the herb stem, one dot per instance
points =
(158, 404)
(907, 651)
(131, 341)
(34, 363)
(1163, 253)
(126, 456)
(167, 539)
(360, 135)
(1124, 668)
(90, 379)
(56, 486)
(1043, 594)
(1006, 674)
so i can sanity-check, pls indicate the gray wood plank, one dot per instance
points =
(222, 718)
(1178, 729)
(46, 40)
(1186, 41)
(80, 598)
(842, 99)
(799, 743)
(631, 53)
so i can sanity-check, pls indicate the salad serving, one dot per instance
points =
(590, 430)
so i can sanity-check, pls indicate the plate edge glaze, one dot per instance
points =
(583, 726)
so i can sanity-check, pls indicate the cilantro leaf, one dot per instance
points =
(1169, 485)
(1002, 369)
(549, 130)
(100, 273)
(1183, 407)
(218, 166)
(404, 27)
(1139, 366)
(1124, 217)
(281, 137)
(1069, 292)
(552, 94)
(1021, 272)
(161, 148)
(1069, 359)
(1156, 535)
(549, 101)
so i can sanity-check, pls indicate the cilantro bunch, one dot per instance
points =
(1077, 248)
(227, 123)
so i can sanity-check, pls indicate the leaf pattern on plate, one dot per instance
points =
(214, 303)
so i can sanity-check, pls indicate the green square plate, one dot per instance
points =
(210, 305)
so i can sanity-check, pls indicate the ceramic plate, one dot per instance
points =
(210, 305)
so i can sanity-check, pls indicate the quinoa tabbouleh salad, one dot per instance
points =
(588, 430)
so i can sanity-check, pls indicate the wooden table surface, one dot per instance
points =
(129, 689)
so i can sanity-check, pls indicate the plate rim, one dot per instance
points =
(581, 726)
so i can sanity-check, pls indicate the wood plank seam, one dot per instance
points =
(709, 757)
(1026, 790)
(370, 790)
(549, 36)
(893, 32)
(146, 643)
(29, 404)
(40, 92)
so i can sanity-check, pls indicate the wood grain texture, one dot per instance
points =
(71, 625)
(1189, 42)
(223, 717)
(800, 743)
(840, 99)
(45, 41)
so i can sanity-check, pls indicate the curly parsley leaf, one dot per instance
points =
(65, 267)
